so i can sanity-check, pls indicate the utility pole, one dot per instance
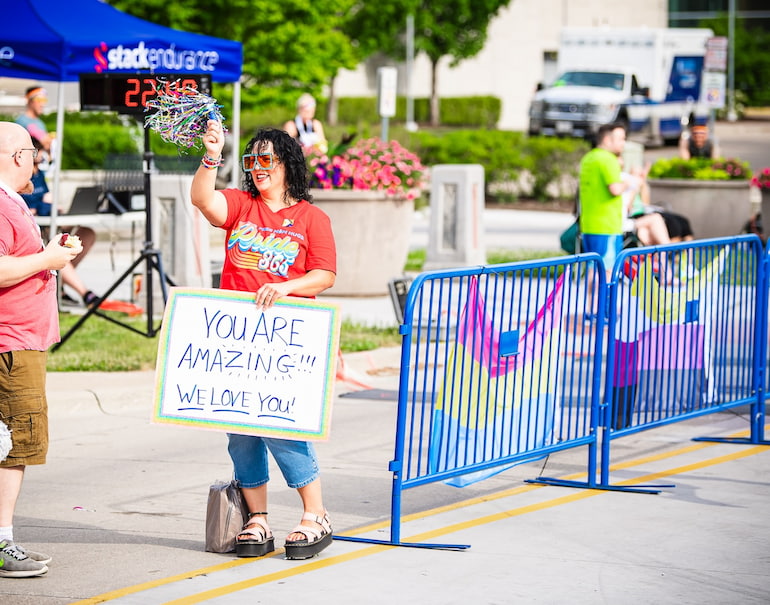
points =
(732, 116)
(411, 125)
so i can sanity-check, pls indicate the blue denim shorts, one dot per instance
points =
(296, 459)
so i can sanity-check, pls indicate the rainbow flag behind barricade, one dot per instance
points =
(662, 345)
(491, 404)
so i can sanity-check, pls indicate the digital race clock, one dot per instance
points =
(129, 93)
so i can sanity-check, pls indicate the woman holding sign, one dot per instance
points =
(277, 245)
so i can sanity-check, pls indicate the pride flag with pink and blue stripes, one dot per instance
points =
(662, 344)
(498, 393)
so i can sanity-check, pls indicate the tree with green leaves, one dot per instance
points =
(300, 45)
(451, 28)
(289, 47)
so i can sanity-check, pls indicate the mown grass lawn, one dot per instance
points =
(102, 346)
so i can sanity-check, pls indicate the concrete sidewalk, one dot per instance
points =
(121, 507)
(121, 504)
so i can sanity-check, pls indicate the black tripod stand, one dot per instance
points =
(149, 255)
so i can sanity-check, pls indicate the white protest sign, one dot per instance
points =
(226, 365)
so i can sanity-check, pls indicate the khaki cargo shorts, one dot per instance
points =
(23, 406)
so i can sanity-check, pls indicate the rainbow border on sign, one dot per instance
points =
(161, 371)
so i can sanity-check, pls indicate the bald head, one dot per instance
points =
(13, 135)
(16, 161)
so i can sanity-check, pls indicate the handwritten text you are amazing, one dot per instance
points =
(236, 343)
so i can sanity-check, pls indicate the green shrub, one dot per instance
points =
(479, 112)
(549, 158)
(90, 136)
(702, 169)
(710, 174)
(352, 110)
(87, 144)
(505, 155)
(500, 152)
(269, 116)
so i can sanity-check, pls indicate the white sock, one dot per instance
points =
(6, 533)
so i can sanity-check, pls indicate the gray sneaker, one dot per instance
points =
(35, 556)
(15, 564)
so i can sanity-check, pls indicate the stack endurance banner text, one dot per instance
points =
(225, 364)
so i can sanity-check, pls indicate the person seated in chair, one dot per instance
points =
(650, 225)
(653, 225)
(649, 228)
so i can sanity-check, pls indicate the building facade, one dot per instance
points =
(520, 52)
(522, 44)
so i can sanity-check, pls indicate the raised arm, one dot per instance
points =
(203, 191)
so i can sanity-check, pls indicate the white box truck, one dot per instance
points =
(648, 79)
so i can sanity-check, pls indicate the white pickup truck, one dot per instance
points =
(647, 79)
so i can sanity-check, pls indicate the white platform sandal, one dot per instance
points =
(315, 540)
(255, 539)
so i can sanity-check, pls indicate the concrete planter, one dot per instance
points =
(715, 208)
(372, 234)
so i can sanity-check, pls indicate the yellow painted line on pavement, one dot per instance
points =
(122, 592)
(533, 486)
(316, 564)
(450, 529)
(587, 494)
(528, 488)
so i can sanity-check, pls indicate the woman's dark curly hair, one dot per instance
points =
(289, 153)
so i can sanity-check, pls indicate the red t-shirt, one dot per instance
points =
(29, 318)
(263, 246)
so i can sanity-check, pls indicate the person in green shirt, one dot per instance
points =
(600, 194)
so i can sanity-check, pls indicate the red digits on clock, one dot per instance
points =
(132, 89)
(149, 91)
(138, 91)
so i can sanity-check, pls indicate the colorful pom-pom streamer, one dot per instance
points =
(180, 114)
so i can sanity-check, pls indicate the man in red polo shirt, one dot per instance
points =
(29, 324)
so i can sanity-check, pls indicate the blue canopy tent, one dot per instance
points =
(57, 40)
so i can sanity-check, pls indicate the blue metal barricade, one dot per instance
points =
(499, 366)
(683, 331)
(506, 364)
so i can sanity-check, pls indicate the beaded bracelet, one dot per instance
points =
(210, 163)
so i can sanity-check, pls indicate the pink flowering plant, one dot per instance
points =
(761, 179)
(734, 168)
(370, 165)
